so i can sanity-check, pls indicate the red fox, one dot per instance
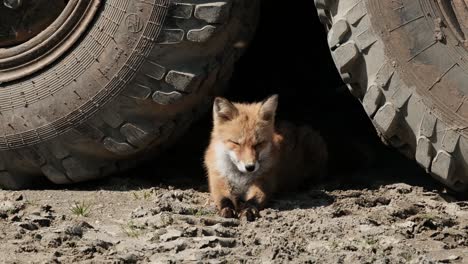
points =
(250, 158)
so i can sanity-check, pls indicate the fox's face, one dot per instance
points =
(244, 134)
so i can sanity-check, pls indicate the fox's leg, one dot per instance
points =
(256, 199)
(227, 208)
(221, 196)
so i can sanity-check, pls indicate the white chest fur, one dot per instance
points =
(238, 181)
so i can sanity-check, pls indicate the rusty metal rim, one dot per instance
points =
(22, 60)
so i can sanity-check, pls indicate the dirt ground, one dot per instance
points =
(389, 213)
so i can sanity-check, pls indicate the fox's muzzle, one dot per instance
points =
(248, 160)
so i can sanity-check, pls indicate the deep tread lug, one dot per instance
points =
(202, 34)
(338, 32)
(76, 170)
(55, 175)
(356, 13)
(424, 153)
(180, 10)
(386, 119)
(400, 97)
(428, 125)
(442, 165)
(365, 40)
(180, 80)
(119, 148)
(217, 12)
(135, 135)
(138, 91)
(171, 36)
(450, 140)
(384, 74)
(345, 56)
(372, 99)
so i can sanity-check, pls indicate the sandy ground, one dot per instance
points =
(390, 213)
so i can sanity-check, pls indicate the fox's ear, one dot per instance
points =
(268, 109)
(223, 110)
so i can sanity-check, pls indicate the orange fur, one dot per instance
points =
(250, 158)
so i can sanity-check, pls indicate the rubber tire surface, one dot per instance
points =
(131, 85)
(410, 73)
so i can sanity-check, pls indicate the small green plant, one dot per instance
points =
(81, 209)
(132, 230)
(334, 245)
(145, 194)
(201, 212)
(429, 217)
(371, 241)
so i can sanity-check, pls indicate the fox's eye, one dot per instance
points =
(234, 142)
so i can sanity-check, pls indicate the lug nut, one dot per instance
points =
(13, 4)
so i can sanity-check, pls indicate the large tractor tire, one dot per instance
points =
(407, 62)
(108, 83)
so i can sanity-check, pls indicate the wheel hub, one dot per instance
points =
(34, 33)
(20, 21)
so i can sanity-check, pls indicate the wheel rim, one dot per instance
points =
(47, 42)
(20, 21)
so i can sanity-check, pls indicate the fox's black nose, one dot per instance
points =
(250, 167)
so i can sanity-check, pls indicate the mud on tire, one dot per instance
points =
(407, 64)
(136, 78)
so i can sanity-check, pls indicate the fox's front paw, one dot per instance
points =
(227, 212)
(250, 213)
